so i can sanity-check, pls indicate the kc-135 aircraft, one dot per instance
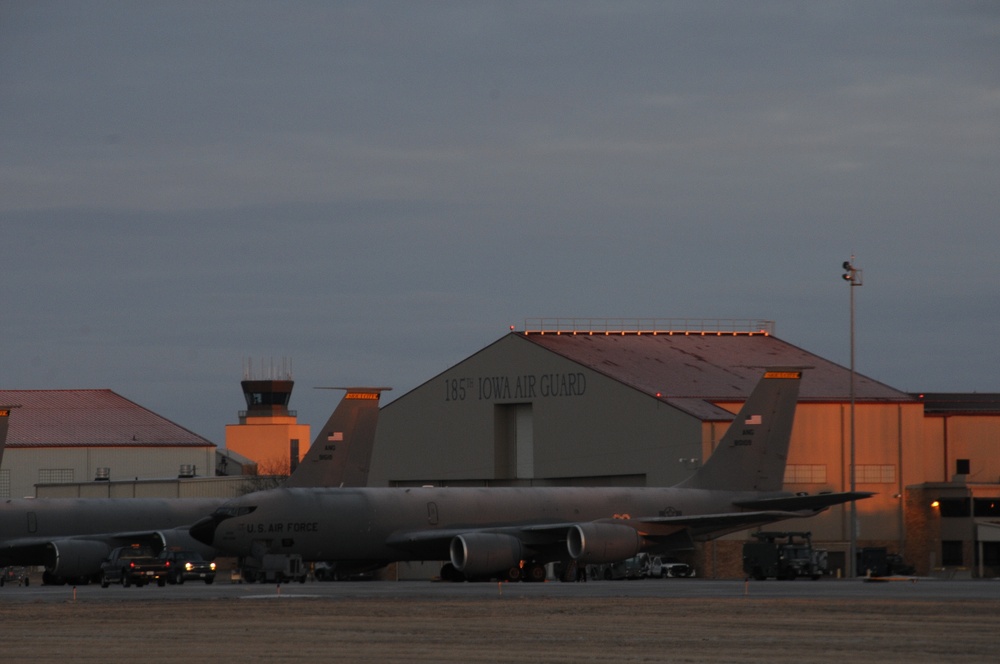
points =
(512, 532)
(71, 536)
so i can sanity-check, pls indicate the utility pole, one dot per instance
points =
(853, 276)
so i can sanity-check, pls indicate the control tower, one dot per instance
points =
(268, 432)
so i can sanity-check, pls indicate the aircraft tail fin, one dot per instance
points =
(342, 450)
(752, 453)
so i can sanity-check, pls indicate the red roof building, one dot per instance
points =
(81, 435)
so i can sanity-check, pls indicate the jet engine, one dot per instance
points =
(602, 542)
(73, 558)
(478, 554)
(180, 538)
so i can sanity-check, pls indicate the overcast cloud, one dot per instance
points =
(375, 191)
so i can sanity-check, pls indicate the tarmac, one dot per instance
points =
(927, 589)
(655, 620)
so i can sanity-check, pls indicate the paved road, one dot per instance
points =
(920, 589)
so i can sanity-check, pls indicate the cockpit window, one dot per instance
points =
(229, 511)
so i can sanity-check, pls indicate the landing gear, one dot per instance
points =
(531, 572)
(534, 572)
(513, 574)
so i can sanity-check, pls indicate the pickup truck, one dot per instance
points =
(133, 564)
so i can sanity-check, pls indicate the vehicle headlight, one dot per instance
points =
(188, 566)
(212, 565)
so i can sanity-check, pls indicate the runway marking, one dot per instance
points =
(277, 596)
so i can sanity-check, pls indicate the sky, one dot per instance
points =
(369, 193)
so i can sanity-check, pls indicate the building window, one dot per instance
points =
(987, 506)
(293, 455)
(805, 473)
(959, 507)
(991, 554)
(4, 484)
(951, 553)
(55, 475)
(961, 466)
(954, 507)
(875, 474)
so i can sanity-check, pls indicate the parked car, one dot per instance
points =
(669, 568)
(187, 566)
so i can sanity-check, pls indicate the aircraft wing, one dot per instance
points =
(665, 531)
(813, 503)
(708, 526)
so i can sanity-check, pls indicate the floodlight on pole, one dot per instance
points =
(853, 276)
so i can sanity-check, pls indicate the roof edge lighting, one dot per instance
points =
(649, 326)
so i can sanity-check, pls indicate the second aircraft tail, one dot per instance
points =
(752, 454)
(341, 452)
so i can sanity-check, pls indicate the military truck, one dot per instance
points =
(783, 555)
(275, 568)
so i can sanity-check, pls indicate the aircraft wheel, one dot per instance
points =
(512, 574)
(449, 573)
(49, 579)
(536, 573)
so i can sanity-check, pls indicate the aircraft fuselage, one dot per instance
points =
(389, 524)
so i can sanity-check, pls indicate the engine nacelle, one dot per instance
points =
(602, 542)
(73, 558)
(180, 538)
(478, 554)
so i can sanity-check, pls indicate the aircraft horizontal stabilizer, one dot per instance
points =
(813, 503)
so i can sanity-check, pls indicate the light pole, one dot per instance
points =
(852, 276)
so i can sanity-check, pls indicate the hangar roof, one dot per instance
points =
(960, 403)
(692, 370)
(89, 418)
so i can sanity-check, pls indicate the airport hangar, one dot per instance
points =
(96, 443)
(644, 402)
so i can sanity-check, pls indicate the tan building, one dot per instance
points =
(953, 516)
(642, 403)
(269, 433)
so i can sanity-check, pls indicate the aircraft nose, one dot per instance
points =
(203, 530)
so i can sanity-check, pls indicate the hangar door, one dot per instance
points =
(514, 444)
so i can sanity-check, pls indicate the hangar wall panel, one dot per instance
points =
(583, 424)
(34, 465)
(970, 437)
